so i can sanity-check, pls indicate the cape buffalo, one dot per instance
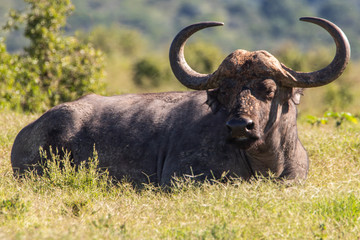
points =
(241, 120)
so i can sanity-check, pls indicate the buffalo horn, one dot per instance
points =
(183, 72)
(330, 72)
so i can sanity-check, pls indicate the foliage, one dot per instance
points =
(53, 68)
(338, 96)
(13, 208)
(150, 72)
(258, 24)
(60, 172)
(305, 61)
(115, 40)
(203, 57)
(339, 117)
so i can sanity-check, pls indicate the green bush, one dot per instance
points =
(338, 96)
(115, 40)
(54, 68)
(295, 58)
(203, 57)
(150, 72)
(339, 118)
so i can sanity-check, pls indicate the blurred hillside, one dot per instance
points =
(135, 36)
(249, 24)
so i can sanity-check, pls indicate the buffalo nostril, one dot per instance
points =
(240, 127)
(233, 124)
(250, 125)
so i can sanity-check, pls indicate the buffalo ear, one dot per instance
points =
(297, 93)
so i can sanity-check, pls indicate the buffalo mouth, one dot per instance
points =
(243, 141)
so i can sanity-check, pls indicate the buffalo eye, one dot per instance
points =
(266, 88)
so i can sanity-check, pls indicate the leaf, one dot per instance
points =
(324, 120)
(349, 117)
(311, 119)
(331, 114)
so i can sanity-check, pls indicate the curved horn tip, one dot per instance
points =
(206, 24)
(214, 23)
(183, 72)
(329, 26)
(309, 19)
(317, 20)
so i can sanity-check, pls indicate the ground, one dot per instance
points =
(84, 206)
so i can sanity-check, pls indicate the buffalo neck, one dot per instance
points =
(280, 150)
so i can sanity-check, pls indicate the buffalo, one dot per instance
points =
(241, 120)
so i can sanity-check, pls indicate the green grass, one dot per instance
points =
(70, 205)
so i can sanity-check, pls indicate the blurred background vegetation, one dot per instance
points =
(41, 68)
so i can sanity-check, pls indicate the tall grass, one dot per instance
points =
(87, 205)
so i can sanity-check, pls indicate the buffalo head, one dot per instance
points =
(258, 92)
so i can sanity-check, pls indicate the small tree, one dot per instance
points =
(150, 72)
(54, 68)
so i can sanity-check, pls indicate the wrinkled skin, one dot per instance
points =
(153, 137)
(241, 121)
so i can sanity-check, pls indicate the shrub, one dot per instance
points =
(150, 72)
(339, 118)
(54, 68)
(338, 96)
(203, 57)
